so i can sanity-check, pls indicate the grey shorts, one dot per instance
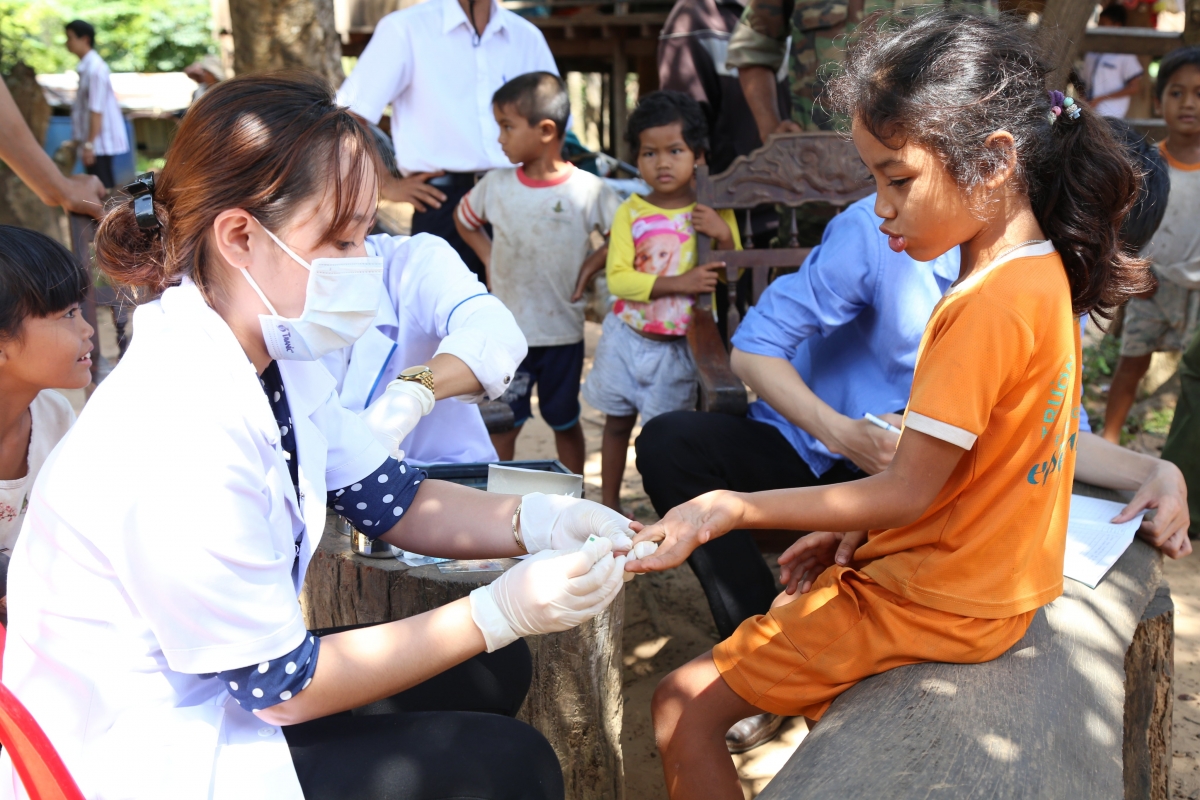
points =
(635, 375)
(1165, 322)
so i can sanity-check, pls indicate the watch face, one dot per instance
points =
(412, 372)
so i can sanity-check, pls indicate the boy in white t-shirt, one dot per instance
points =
(45, 344)
(1112, 78)
(542, 213)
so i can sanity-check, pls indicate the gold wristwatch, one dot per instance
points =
(419, 374)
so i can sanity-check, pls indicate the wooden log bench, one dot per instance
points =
(575, 699)
(1080, 707)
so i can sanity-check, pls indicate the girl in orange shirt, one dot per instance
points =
(967, 525)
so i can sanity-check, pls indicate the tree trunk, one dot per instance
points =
(286, 34)
(1061, 32)
(18, 203)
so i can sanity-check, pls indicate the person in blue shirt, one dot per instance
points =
(821, 348)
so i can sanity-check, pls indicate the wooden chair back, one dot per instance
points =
(790, 170)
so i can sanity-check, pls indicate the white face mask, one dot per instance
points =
(340, 303)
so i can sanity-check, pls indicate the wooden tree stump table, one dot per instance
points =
(575, 699)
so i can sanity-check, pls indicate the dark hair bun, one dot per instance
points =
(129, 255)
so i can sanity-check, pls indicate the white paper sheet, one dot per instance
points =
(1093, 543)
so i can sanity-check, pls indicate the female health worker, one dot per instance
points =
(437, 323)
(155, 630)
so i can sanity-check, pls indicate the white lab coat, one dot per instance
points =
(161, 543)
(433, 304)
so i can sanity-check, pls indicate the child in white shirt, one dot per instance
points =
(542, 214)
(45, 344)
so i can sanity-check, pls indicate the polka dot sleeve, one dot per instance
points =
(377, 502)
(272, 682)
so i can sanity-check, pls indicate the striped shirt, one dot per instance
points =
(96, 95)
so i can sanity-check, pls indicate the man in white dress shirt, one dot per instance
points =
(438, 71)
(96, 120)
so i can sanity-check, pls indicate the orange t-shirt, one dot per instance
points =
(998, 375)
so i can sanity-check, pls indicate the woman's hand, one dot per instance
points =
(393, 416)
(686, 527)
(554, 522)
(549, 592)
(811, 555)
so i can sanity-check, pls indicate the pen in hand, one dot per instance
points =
(877, 422)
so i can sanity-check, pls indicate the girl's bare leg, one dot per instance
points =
(693, 708)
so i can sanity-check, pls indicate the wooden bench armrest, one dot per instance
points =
(720, 390)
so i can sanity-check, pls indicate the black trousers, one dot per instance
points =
(102, 168)
(451, 737)
(684, 454)
(440, 222)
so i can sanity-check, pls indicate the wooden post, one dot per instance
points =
(1191, 23)
(620, 108)
(575, 699)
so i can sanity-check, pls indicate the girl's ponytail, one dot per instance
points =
(1087, 187)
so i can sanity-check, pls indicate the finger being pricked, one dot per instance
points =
(672, 549)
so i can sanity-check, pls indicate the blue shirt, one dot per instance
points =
(849, 321)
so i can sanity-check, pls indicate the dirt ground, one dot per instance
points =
(668, 623)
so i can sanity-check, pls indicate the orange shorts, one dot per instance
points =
(796, 659)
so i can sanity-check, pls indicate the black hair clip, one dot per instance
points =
(142, 191)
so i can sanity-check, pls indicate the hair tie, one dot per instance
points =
(142, 191)
(1059, 103)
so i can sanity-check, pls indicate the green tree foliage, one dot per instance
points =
(131, 35)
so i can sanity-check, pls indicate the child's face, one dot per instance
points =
(665, 160)
(924, 212)
(51, 352)
(520, 141)
(1181, 102)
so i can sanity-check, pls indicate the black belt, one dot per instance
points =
(456, 180)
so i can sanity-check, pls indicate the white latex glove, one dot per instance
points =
(546, 593)
(555, 522)
(393, 416)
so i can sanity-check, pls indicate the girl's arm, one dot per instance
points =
(895, 497)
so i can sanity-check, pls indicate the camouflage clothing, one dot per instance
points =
(818, 29)
(815, 27)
